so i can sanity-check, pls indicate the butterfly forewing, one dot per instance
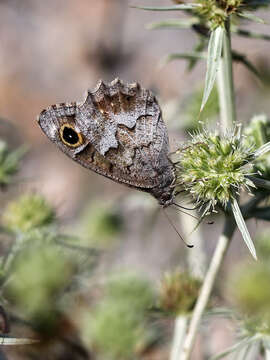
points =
(117, 132)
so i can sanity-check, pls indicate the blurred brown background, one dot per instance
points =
(52, 51)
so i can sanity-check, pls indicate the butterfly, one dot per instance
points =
(118, 132)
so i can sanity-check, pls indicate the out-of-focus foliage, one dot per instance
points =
(252, 291)
(28, 212)
(184, 115)
(9, 162)
(40, 275)
(117, 326)
(263, 246)
(258, 134)
(249, 288)
(249, 292)
(102, 224)
(178, 292)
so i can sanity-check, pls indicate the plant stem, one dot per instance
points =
(267, 354)
(225, 83)
(228, 120)
(180, 328)
(196, 259)
(207, 286)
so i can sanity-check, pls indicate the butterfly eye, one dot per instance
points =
(70, 136)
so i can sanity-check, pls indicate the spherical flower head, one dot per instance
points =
(213, 168)
(28, 212)
(216, 12)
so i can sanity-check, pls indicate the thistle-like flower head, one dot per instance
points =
(213, 168)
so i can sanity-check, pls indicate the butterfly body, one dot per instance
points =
(118, 132)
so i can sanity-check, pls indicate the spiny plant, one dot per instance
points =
(250, 298)
(39, 263)
(214, 166)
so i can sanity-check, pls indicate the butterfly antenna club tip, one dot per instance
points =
(177, 232)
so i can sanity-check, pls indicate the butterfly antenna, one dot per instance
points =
(211, 222)
(186, 208)
(172, 224)
(186, 213)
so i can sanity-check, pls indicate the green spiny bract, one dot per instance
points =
(213, 168)
(215, 12)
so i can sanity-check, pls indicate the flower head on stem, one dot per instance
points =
(213, 168)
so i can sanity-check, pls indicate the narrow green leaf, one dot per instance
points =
(199, 47)
(266, 342)
(70, 243)
(267, 354)
(5, 340)
(242, 59)
(243, 228)
(236, 347)
(252, 350)
(251, 34)
(251, 17)
(219, 311)
(213, 61)
(262, 150)
(169, 8)
(259, 182)
(261, 213)
(183, 56)
(172, 24)
(259, 3)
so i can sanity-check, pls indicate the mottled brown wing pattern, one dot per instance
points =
(119, 133)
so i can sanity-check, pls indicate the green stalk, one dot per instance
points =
(217, 259)
(260, 183)
(196, 259)
(267, 354)
(228, 120)
(225, 83)
(180, 328)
